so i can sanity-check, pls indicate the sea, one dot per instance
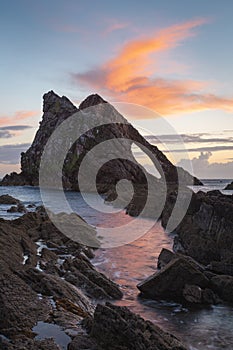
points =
(210, 327)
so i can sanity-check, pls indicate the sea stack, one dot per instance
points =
(57, 109)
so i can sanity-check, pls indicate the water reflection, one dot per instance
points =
(208, 328)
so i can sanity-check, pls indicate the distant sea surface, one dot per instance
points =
(213, 184)
(206, 328)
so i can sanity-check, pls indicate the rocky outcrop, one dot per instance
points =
(19, 208)
(223, 285)
(201, 268)
(182, 279)
(205, 233)
(26, 343)
(56, 110)
(14, 179)
(115, 328)
(171, 282)
(165, 257)
(46, 277)
(6, 199)
(229, 186)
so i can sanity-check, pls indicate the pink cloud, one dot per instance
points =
(18, 115)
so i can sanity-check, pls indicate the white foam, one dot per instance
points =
(25, 258)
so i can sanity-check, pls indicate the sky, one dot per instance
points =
(172, 59)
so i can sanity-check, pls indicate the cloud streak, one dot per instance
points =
(188, 138)
(133, 75)
(11, 130)
(203, 149)
(10, 154)
(15, 127)
(17, 116)
(5, 134)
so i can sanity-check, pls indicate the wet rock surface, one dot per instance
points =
(205, 232)
(6, 199)
(172, 280)
(115, 328)
(45, 277)
(181, 278)
(19, 208)
(48, 279)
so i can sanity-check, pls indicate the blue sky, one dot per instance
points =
(62, 45)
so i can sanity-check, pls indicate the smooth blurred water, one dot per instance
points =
(208, 328)
(199, 328)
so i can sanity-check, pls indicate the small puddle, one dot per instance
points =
(49, 330)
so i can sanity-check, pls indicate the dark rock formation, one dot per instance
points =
(181, 278)
(83, 342)
(171, 282)
(222, 267)
(14, 179)
(229, 186)
(116, 328)
(205, 234)
(192, 293)
(165, 257)
(45, 276)
(25, 343)
(57, 109)
(20, 208)
(223, 285)
(6, 199)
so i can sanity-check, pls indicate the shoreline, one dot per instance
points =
(55, 283)
(167, 208)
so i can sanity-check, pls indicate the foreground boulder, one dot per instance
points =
(19, 208)
(172, 280)
(223, 285)
(116, 328)
(7, 199)
(165, 257)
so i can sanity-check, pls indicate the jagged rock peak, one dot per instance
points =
(52, 102)
(92, 100)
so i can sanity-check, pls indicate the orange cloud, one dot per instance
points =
(19, 115)
(135, 56)
(174, 97)
(131, 75)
